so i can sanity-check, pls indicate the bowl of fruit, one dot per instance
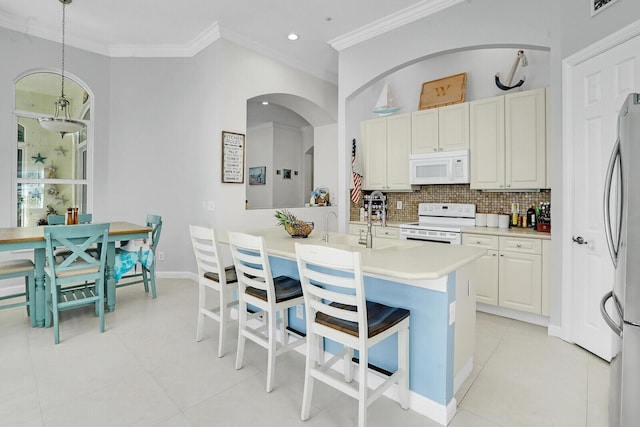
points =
(296, 228)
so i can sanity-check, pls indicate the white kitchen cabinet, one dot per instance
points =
(487, 143)
(440, 129)
(520, 277)
(546, 276)
(486, 267)
(512, 273)
(387, 145)
(508, 140)
(376, 231)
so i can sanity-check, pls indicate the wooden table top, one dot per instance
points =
(34, 234)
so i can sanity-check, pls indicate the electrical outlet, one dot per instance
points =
(160, 256)
(452, 313)
(399, 204)
(299, 312)
(211, 205)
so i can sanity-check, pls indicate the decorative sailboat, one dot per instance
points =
(384, 105)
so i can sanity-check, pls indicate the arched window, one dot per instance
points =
(52, 172)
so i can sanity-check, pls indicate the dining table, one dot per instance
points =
(32, 239)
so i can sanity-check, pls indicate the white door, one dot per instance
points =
(599, 86)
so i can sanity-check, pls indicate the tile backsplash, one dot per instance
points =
(485, 201)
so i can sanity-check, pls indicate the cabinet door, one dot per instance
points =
(486, 267)
(520, 281)
(487, 143)
(398, 149)
(453, 127)
(548, 135)
(546, 276)
(525, 139)
(387, 232)
(424, 131)
(375, 154)
(486, 280)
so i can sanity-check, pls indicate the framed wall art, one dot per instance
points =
(286, 173)
(258, 175)
(232, 157)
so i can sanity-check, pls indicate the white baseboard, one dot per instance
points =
(536, 319)
(462, 375)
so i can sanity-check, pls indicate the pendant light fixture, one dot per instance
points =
(61, 122)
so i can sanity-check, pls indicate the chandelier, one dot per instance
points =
(61, 122)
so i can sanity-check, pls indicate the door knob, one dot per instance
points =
(579, 240)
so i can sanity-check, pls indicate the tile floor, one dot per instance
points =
(147, 370)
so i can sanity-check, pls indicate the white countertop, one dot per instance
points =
(512, 232)
(394, 258)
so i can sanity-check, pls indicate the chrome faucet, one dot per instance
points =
(369, 238)
(325, 237)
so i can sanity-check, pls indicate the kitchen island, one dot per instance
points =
(434, 282)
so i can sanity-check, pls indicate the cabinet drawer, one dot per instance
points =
(480, 240)
(357, 229)
(521, 245)
(387, 232)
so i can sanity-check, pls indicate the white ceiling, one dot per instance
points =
(169, 28)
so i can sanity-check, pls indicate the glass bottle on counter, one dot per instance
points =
(531, 217)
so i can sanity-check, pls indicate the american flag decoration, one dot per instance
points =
(356, 190)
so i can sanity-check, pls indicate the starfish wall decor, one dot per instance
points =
(61, 151)
(38, 159)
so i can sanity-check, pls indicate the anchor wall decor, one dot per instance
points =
(520, 56)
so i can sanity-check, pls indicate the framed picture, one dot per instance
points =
(599, 5)
(258, 175)
(232, 157)
(286, 173)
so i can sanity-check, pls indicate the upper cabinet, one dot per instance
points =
(440, 129)
(508, 137)
(387, 145)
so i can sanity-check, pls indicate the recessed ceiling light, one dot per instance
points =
(265, 103)
(292, 36)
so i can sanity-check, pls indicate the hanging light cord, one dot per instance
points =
(64, 7)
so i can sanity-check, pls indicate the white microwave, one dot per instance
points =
(444, 167)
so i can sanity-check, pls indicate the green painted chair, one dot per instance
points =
(20, 268)
(55, 219)
(78, 280)
(147, 273)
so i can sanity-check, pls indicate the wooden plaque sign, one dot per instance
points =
(232, 157)
(444, 91)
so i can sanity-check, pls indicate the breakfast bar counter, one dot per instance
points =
(434, 282)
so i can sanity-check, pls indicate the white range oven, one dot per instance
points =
(440, 222)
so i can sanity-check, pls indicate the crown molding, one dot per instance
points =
(201, 41)
(391, 22)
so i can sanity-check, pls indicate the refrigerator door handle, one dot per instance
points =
(613, 246)
(603, 310)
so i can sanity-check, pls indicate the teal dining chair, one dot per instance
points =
(147, 274)
(20, 268)
(77, 280)
(83, 218)
(55, 219)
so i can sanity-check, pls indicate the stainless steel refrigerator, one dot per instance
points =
(622, 229)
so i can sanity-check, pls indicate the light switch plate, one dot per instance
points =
(452, 313)
(211, 205)
(399, 204)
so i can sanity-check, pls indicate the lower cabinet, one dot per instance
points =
(510, 275)
(376, 231)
